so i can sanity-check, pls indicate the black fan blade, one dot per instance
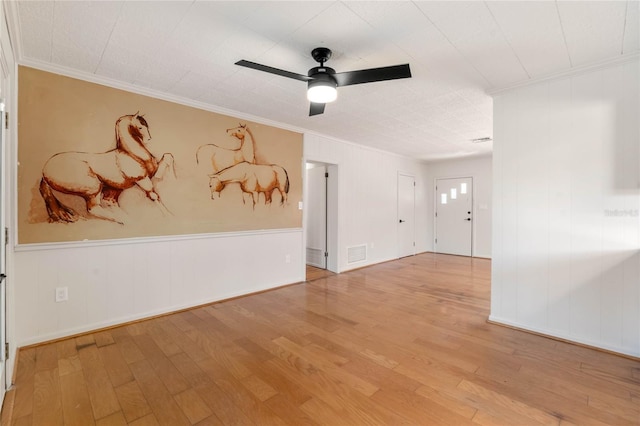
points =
(272, 70)
(316, 108)
(373, 74)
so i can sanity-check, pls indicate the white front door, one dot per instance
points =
(406, 213)
(316, 206)
(454, 216)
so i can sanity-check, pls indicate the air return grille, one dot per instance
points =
(356, 253)
(315, 257)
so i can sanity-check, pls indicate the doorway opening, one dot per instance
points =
(321, 214)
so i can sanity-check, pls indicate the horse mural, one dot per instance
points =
(221, 157)
(100, 178)
(253, 179)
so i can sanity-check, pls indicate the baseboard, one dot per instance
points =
(623, 352)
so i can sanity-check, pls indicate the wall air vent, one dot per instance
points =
(356, 253)
(315, 257)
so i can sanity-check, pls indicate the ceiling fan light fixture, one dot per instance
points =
(322, 82)
(322, 89)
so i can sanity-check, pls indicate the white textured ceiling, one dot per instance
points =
(458, 51)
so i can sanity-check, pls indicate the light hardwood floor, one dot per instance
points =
(404, 342)
(314, 273)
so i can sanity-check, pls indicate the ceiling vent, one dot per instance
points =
(481, 140)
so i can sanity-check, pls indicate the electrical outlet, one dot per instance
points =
(62, 294)
(287, 258)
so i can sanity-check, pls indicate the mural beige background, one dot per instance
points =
(60, 114)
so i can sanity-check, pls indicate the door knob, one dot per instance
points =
(401, 220)
(468, 218)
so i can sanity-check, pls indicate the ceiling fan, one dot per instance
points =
(322, 81)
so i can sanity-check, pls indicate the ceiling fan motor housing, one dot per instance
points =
(325, 73)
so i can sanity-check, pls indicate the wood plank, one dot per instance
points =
(84, 341)
(76, 404)
(7, 408)
(321, 412)
(190, 371)
(69, 365)
(46, 357)
(187, 345)
(23, 404)
(416, 409)
(222, 405)
(166, 410)
(520, 408)
(193, 406)
(289, 410)
(165, 341)
(356, 382)
(210, 421)
(115, 419)
(24, 421)
(148, 420)
(163, 367)
(130, 351)
(66, 348)
(442, 397)
(134, 404)
(103, 338)
(258, 387)
(258, 413)
(47, 404)
(103, 397)
(115, 364)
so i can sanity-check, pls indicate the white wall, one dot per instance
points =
(367, 197)
(566, 237)
(480, 169)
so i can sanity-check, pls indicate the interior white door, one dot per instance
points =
(3, 242)
(406, 215)
(6, 66)
(454, 216)
(316, 206)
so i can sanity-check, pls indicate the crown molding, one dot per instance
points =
(568, 73)
(152, 93)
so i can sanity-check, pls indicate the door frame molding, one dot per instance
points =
(473, 209)
(332, 218)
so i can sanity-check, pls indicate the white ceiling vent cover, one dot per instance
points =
(356, 253)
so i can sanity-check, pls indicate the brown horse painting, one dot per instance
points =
(100, 178)
(253, 179)
(221, 157)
